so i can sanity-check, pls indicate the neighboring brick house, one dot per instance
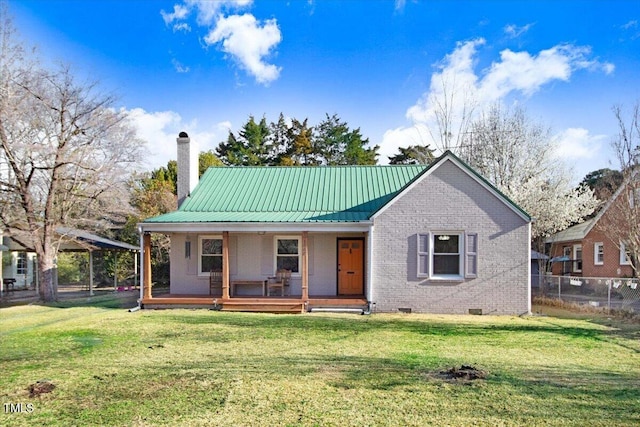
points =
(587, 249)
(423, 238)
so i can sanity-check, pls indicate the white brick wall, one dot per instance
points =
(449, 199)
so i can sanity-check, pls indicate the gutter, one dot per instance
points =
(250, 227)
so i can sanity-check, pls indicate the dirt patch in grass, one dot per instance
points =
(41, 387)
(464, 372)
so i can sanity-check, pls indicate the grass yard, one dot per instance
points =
(106, 366)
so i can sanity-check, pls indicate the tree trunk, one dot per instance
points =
(48, 284)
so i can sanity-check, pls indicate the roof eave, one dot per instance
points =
(253, 227)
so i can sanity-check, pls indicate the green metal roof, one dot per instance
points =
(292, 194)
(303, 194)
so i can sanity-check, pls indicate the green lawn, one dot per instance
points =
(200, 367)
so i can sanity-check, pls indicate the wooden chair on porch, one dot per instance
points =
(281, 282)
(215, 283)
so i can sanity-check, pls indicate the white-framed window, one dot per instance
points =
(625, 255)
(21, 263)
(287, 253)
(210, 254)
(446, 255)
(598, 253)
(577, 258)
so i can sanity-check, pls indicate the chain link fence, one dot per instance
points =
(609, 293)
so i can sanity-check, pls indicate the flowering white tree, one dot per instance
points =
(517, 156)
(65, 154)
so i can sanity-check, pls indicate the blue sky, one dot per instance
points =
(206, 66)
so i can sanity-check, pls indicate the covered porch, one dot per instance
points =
(329, 266)
(262, 304)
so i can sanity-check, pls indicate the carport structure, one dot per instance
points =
(74, 240)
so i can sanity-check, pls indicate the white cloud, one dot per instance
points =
(209, 10)
(179, 67)
(242, 37)
(462, 91)
(520, 71)
(400, 5)
(224, 127)
(577, 144)
(182, 26)
(514, 31)
(608, 68)
(160, 130)
(179, 12)
(248, 43)
(393, 139)
(630, 30)
(526, 73)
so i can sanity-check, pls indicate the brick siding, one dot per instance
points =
(450, 200)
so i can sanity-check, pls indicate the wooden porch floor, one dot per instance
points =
(288, 304)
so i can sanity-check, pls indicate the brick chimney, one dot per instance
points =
(187, 167)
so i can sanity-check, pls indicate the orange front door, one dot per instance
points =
(350, 266)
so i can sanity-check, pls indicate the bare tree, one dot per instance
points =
(627, 142)
(517, 156)
(621, 220)
(66, 154)
(442, 118)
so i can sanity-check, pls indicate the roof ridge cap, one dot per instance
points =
(311, 166)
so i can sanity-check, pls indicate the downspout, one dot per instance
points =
(135, 267)
(529, 267)
(370, 280)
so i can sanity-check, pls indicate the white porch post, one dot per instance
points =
(115, 271)
(37, 269)
(135, 269)
(225, 265)
(90, 273)
(305, 265)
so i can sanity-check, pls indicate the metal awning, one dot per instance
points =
(83, 240)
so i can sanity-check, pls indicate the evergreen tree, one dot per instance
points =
(413, 155)
(250, 148)
(281, 145)
(336, 144)
(302, 137)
